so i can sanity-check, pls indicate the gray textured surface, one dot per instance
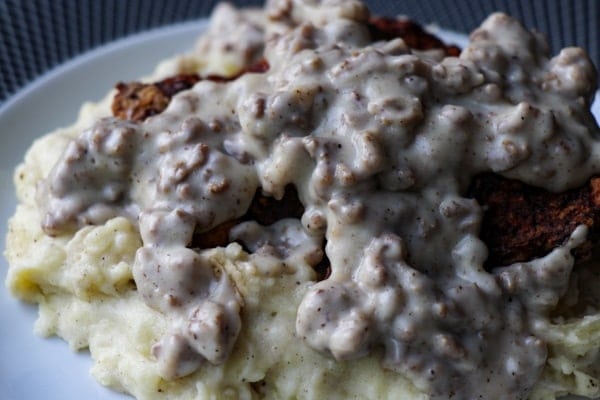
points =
(37, 35)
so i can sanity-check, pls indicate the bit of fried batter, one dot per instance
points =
(522, 222)
(136, 101)
(175, 84)
(413, 34)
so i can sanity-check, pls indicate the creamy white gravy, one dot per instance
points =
(381, 143)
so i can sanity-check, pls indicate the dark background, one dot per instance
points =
(36, 35)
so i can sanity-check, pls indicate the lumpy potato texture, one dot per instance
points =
(83, 285)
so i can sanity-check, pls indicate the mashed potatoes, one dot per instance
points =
(380, 142)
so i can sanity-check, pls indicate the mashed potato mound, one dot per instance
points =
(84, 281)
(84, 287)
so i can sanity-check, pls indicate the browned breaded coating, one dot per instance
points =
(136, 101)
(267, 210)
(413, 34)
(522, 222)
(175, 84)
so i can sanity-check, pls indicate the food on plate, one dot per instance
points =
(137, 101)
(300, 206)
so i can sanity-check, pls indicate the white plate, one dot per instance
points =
(32, 367)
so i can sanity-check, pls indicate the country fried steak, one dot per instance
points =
(520, 222)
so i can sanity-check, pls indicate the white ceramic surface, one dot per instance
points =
(32, 367)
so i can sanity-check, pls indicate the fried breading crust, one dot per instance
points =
(136, 101)
(413, 34)
(522, 222)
